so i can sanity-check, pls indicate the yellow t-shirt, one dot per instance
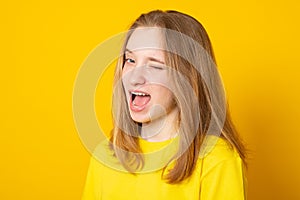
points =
(218, 176)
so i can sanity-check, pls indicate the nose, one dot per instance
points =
(137, 76)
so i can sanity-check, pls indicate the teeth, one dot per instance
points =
(139, 93)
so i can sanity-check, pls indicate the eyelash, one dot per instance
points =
(130, 60)
(156, 67)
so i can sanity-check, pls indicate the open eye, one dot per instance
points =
(129, 60)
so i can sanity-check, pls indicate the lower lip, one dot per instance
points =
(135, 108)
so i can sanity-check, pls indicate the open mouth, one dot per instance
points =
(139, 100)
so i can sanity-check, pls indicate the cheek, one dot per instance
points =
(169, 98)
(157, 77)
(125, 78)
(125, 84)
(164, 95)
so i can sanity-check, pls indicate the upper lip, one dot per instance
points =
(138, 92)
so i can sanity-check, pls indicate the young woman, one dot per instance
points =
(173, 137)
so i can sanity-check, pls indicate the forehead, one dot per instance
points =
(145, 38)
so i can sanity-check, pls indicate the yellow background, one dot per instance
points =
(43, 44)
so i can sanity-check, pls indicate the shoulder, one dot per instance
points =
(221, 171)
(103, 156)
(216, 151)
(103, 148)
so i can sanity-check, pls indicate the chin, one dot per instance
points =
(140, 118)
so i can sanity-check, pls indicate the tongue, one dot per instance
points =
(141, 100)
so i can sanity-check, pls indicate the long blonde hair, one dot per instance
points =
(125, 144)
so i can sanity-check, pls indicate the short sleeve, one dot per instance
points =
(92, 184)
(224, 181)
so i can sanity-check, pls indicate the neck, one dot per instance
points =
(161, 129)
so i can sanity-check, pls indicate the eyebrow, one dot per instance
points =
(149, 58)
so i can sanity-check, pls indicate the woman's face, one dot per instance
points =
(145, 77)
